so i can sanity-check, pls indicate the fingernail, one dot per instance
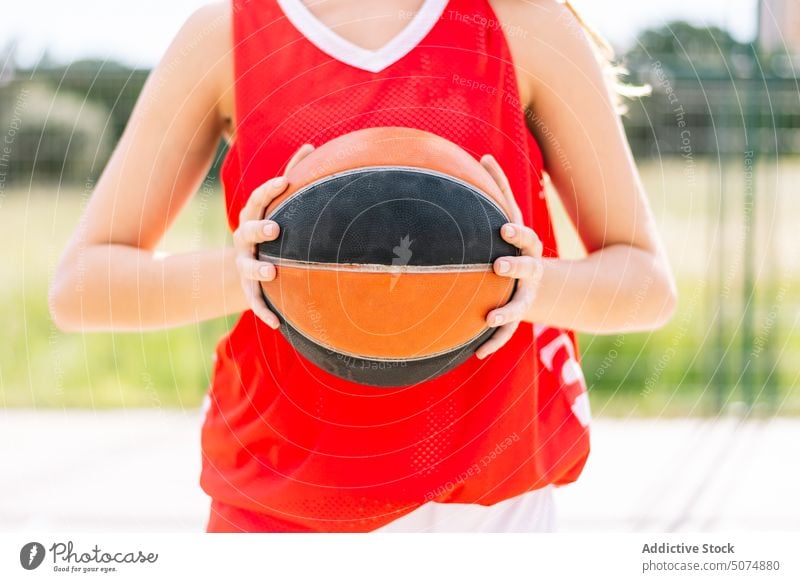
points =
(497, 320)
(277, 182)
(265, 271)
(269, 228)
(503, 267)
(509, 230)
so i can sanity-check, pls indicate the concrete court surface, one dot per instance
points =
(137, 471)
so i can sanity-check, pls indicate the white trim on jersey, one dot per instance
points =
(527, 513)
(338, 47)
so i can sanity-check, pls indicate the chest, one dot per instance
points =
(364, 41)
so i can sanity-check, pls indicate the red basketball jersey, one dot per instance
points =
(289, 447)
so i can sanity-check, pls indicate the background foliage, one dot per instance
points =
(727, 218)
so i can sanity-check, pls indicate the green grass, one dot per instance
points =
(43, 367)
(694, 365)
(676, 371)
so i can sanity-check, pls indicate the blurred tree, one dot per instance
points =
(8, 59)
(682, 46)
(55, 137)
(112, 85)
(108, 91)
(705, 81)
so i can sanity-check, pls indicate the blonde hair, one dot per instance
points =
(607, 58)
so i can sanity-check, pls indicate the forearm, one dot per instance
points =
(123, 288)
(617, 289)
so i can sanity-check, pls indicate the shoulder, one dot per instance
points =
(534, 22)
(207, 30)
(210, 16)
(199, 60)
(548, 44)
(203, 40)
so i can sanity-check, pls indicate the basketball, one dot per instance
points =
(384, 259)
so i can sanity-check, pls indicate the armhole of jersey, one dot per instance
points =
(230, 170)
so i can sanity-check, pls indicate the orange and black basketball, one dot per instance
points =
(384, 261)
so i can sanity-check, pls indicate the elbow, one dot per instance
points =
(665, 300)
(62, 300)
(652, 303)
(670, 305)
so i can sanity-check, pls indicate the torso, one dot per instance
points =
(282, 435)
(349, 20)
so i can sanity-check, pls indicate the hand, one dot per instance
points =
(253, 230)
(527, 269)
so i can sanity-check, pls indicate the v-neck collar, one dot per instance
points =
(345, 51)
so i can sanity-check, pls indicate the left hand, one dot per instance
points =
(527, 268)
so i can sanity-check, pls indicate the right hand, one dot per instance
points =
(253, 230)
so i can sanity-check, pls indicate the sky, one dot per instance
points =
(137, 32)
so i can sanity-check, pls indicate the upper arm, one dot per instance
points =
(573, 117)
(169, 142)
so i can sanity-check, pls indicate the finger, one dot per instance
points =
(497, 341)
(255, 270)
(261, 197)
(252, 292)
(493, 167)
(524, 267)
(524, 238)
(514, 310)
(252, 232)
(302, 152)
